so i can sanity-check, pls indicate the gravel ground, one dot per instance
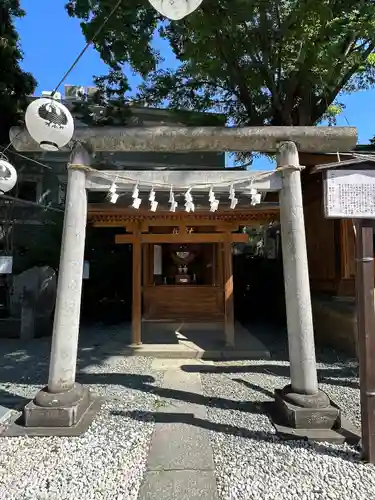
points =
(108, 461)
(252, 463)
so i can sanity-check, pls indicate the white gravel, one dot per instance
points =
(108, 461)
(252, 463)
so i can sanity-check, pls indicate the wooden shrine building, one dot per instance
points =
(182, 262)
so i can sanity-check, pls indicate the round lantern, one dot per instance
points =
(8, 176)
(49, 123)
(175, 9)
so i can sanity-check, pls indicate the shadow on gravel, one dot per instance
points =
(27, 363)
(187, 418)
(255, 387)
(144, 383)
(12, 401)
(332, 376)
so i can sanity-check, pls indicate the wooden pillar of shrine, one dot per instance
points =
(228, 292)
(137, 289)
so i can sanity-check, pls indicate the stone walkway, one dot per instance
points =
(177, 429)
(180, 462)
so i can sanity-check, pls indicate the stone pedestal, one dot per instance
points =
(310, 418)
(68, 414)
(299, 411)
(57, 410)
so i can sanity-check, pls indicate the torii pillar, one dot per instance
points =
(63, 403)
(300, 405)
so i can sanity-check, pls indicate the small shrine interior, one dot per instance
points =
(182, 263)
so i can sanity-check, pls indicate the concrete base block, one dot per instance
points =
(343, 433)
(309, 417)
(18, 428)
(57, 410)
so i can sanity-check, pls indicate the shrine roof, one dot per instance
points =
(356, 160)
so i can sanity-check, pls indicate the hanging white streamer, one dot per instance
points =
(173, 206)
(135, 191)
(137, 203)
(188, 196)
(189, 206)
(256, 197)
(154, 206)
(214, 205)
(171, 196)
(233, 203)
(113, 197)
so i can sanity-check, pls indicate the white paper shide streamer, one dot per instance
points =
(214, 202)
(172, 201)
(136, 199)
(112, 195)
(189, 204)
(232, 197)
(152, 200)
(256, 197)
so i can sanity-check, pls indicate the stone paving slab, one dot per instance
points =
(179, 485)
(180, 446)
(180, 462)
(176, 380)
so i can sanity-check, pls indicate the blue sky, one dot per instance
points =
(51, 41)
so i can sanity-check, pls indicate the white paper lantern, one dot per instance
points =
(49, 123)
(8, 176)
(175, 9)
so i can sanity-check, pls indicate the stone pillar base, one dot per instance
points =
(301, 411)
(57, 410)
(312, 418)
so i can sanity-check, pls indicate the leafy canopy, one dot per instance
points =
(15, 84)
(279, 62)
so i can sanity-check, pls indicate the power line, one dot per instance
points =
(32, 160)
(74, 64)
(29, 203)
(98, 31)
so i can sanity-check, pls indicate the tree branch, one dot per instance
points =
(331, 96)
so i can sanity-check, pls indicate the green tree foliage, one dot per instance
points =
(15, 84)
(278, 62)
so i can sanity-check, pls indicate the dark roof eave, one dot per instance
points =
(340, 164)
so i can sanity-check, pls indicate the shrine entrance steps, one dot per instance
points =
(184, 341)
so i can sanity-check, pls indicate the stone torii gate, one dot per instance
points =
(64, 405)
